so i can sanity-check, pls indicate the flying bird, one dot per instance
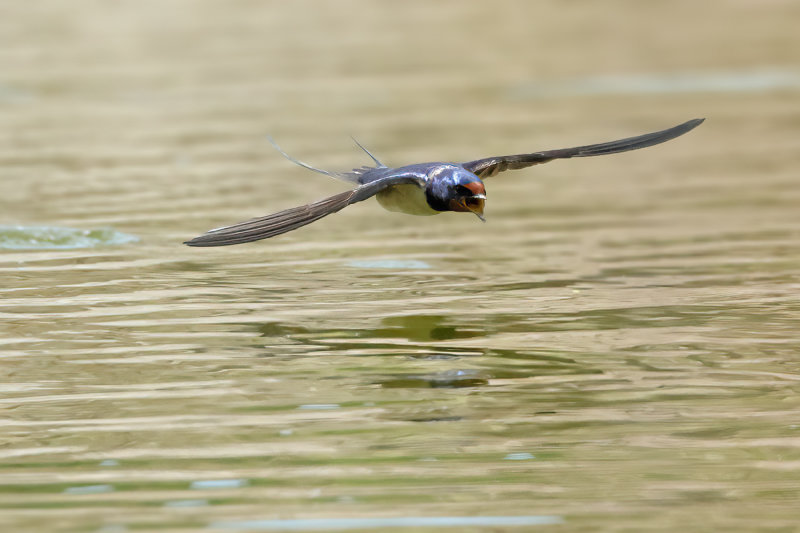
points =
(418, 189)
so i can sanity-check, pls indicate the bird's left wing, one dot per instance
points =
(290, 219)
(490, 166)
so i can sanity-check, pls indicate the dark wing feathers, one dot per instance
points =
(290, 219)
(274, 224)
(490, 166)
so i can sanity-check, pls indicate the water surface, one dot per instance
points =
(616, 349)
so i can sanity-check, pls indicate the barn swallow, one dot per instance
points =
(418, 189)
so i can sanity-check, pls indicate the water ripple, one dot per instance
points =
(59, 238)
(327, 524)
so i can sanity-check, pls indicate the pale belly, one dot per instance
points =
(408, 199)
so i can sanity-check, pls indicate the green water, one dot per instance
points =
(616, 349)
(56, 238)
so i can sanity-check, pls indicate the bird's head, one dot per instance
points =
(453, 188)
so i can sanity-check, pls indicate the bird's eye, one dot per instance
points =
(463, 191)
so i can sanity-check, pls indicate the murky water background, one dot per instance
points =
(615, 350)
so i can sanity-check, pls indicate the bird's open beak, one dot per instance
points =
(475, 204)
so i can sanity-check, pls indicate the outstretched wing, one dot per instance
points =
(289, 219)
(490, 166)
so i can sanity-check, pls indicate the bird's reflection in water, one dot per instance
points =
(423, 338)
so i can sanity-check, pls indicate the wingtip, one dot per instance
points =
(207, 241)
(689, 125)
(201, 241)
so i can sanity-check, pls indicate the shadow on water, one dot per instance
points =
(405, 332)
(428, 336)
(433, 338)
(470, 342)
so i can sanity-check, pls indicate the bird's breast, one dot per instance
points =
(407, 198)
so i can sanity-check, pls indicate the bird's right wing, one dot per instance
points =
(296, 217)
(490, 166)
